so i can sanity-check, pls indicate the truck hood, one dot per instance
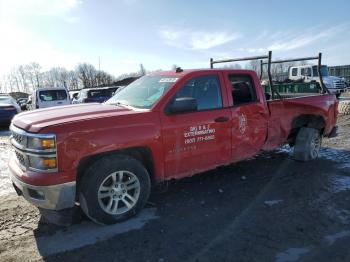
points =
(34, 121)
(332, 78)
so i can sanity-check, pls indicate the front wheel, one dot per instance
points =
(307, 144)
(113, 189)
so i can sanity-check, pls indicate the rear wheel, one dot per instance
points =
(114, 189)
(307, 144)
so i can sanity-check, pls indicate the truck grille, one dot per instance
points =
(20, 158)
(20, 139)
(339, 84)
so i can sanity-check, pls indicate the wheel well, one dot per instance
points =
(314, 121)
(142, 154)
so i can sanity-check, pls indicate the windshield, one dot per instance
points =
(52, 95)
(144, 92)
(100, 93)
(324, 71)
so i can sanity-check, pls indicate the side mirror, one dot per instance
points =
(183, 105)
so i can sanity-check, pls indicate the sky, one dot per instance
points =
(161, 33)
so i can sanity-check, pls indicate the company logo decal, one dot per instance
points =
(242, 123)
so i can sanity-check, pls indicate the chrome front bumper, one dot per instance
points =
(54, 197)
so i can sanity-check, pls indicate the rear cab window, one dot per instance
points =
(52, 95)
(242, 89)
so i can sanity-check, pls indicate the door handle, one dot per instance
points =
(221, 119)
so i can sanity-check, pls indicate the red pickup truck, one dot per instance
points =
(166, 125)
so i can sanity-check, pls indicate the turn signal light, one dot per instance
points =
(48, 143)
(49, 162)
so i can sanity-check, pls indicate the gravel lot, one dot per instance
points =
(267, 208)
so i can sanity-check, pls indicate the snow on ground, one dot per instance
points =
(291, 254)
(5, 153)
(332, 238)
(337, 155)
(88, 233)
(341, 183)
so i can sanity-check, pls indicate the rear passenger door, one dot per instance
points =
(200, 140)
(248, 113)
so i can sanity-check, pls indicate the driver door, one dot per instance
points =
(200, 140)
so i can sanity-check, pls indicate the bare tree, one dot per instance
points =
(142, 70)
(87, 74)
(73, 81)
(254, 65)
(14, 81)
(104, 79)
(34, 74)
(56, 77)
(23, 76)
(62, 77)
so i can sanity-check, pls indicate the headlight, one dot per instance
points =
(37, 143)
(37, 152)
(328, 84)
(42, 163)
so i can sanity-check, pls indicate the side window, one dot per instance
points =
(205, 89)
(294, 71)
(61, 95)
(308, 71)
(243, 89)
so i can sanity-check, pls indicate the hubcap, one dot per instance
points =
(119, 192)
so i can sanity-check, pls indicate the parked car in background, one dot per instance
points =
(73, 94)
(94, 95)
(49, 97)
(8, 109)
(22, 102)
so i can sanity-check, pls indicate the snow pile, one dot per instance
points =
(5, 153)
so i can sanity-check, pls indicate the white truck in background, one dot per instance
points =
(309, 73)
(49, 97)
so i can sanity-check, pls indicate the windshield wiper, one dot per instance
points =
(119, 104)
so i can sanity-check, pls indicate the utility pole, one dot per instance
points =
(99, 71)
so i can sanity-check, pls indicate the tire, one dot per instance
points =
(307, 144)
(344, 107)
(114, 189)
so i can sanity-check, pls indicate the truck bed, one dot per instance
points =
(284, 113)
